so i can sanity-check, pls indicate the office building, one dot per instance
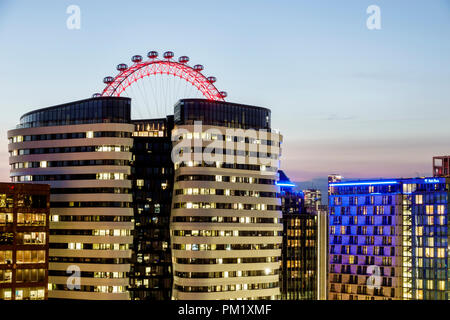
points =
(299, 265)
(425, 238)
(334, 178)
(225, 225)
(82, 150)
(313, 198)
(24, 232)
(152, 175)
(388, 239)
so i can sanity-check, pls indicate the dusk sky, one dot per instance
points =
(349, 100)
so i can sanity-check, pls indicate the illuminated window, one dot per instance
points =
(5, 276)
(89, 134)
(110, 176)
(31, 219)
(420, 262)
(6, 257)
(7, 294)
(419, 231)
(419, 199)
(75, 246)
(419, 252)
(419, 294)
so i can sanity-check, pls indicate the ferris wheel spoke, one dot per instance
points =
(153, 94)
(166, 96)
(139, 110)
(144, 97)
(169, 93)
(131, 94)
(185, 89)
(138, 98)
(161, 92)
(178, 88)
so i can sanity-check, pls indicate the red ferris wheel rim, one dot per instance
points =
(139, 70)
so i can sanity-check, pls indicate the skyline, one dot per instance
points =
(322, 93)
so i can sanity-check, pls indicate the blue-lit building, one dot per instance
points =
(388, 239)
(299, 251)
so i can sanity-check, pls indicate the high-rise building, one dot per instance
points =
(334, 178)
(82, 150)
(95, 158)
(152, 172)
(313, 198)
(388, 239)
(24, 220)
(299, 251)
(425, 238)
(225, 221)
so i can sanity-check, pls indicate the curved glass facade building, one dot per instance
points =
(226, 231)
(222, 114)
(82, 150)
(99, 110)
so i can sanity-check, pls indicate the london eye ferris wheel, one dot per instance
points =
(155, 84)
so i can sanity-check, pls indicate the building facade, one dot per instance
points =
(225, 221)
(313, 198)
(82, 150)
(388, 239)
(322, 252)
(299, 266)
(24, 233)
(152, 175)
(441, 166)
(425, 238)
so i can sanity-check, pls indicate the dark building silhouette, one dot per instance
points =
(152, 174)
(24, 221)
(299, 254)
